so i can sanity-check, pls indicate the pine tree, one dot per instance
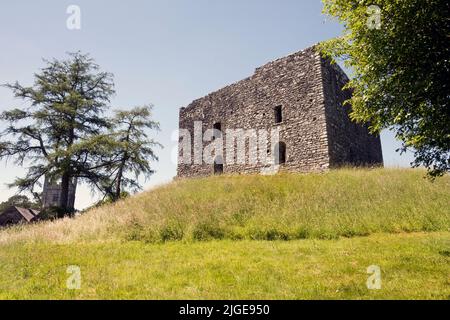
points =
(130, 151)
(58, 132)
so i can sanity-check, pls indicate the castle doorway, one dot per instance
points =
(280, 153)
(218, 165)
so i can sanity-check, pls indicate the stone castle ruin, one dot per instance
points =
(300, 99)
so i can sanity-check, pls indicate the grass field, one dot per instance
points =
(413, 266)
(288, 236)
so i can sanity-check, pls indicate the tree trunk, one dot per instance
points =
(64, 197)
(66, 178)
(118, 191)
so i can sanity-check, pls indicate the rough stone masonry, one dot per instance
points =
(300, 95)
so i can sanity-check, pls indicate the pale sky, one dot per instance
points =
(167, 53)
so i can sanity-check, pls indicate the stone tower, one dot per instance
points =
(300, 97)
(51, 194)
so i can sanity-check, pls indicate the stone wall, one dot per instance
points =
(349, 143)
(298, 84)
(51, 194)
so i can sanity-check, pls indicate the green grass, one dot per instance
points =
(414, 266)
(289, 236)
(342, 203)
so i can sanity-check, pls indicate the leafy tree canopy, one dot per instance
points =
(128, 151)
(398, 51)
(19, 201)
(64, 133)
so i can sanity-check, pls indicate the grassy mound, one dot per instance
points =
(342, 203)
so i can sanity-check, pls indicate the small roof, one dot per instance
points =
(27, 214)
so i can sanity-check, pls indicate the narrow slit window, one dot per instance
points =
(278, 114)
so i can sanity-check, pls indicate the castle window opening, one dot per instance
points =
(278, 114)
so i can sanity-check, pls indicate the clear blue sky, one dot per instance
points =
(163, 52)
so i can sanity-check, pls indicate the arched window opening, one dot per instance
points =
(217, 126)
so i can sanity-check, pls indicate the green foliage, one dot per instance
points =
(19, 201)
(50, 214)
(400, 71)
(56, 133)
(64, 132)
(130, 151)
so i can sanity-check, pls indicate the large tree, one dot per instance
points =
(57, 131)
(64, 132)
(399, 53)
(130, 151)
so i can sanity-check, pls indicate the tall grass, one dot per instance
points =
(342, 203)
